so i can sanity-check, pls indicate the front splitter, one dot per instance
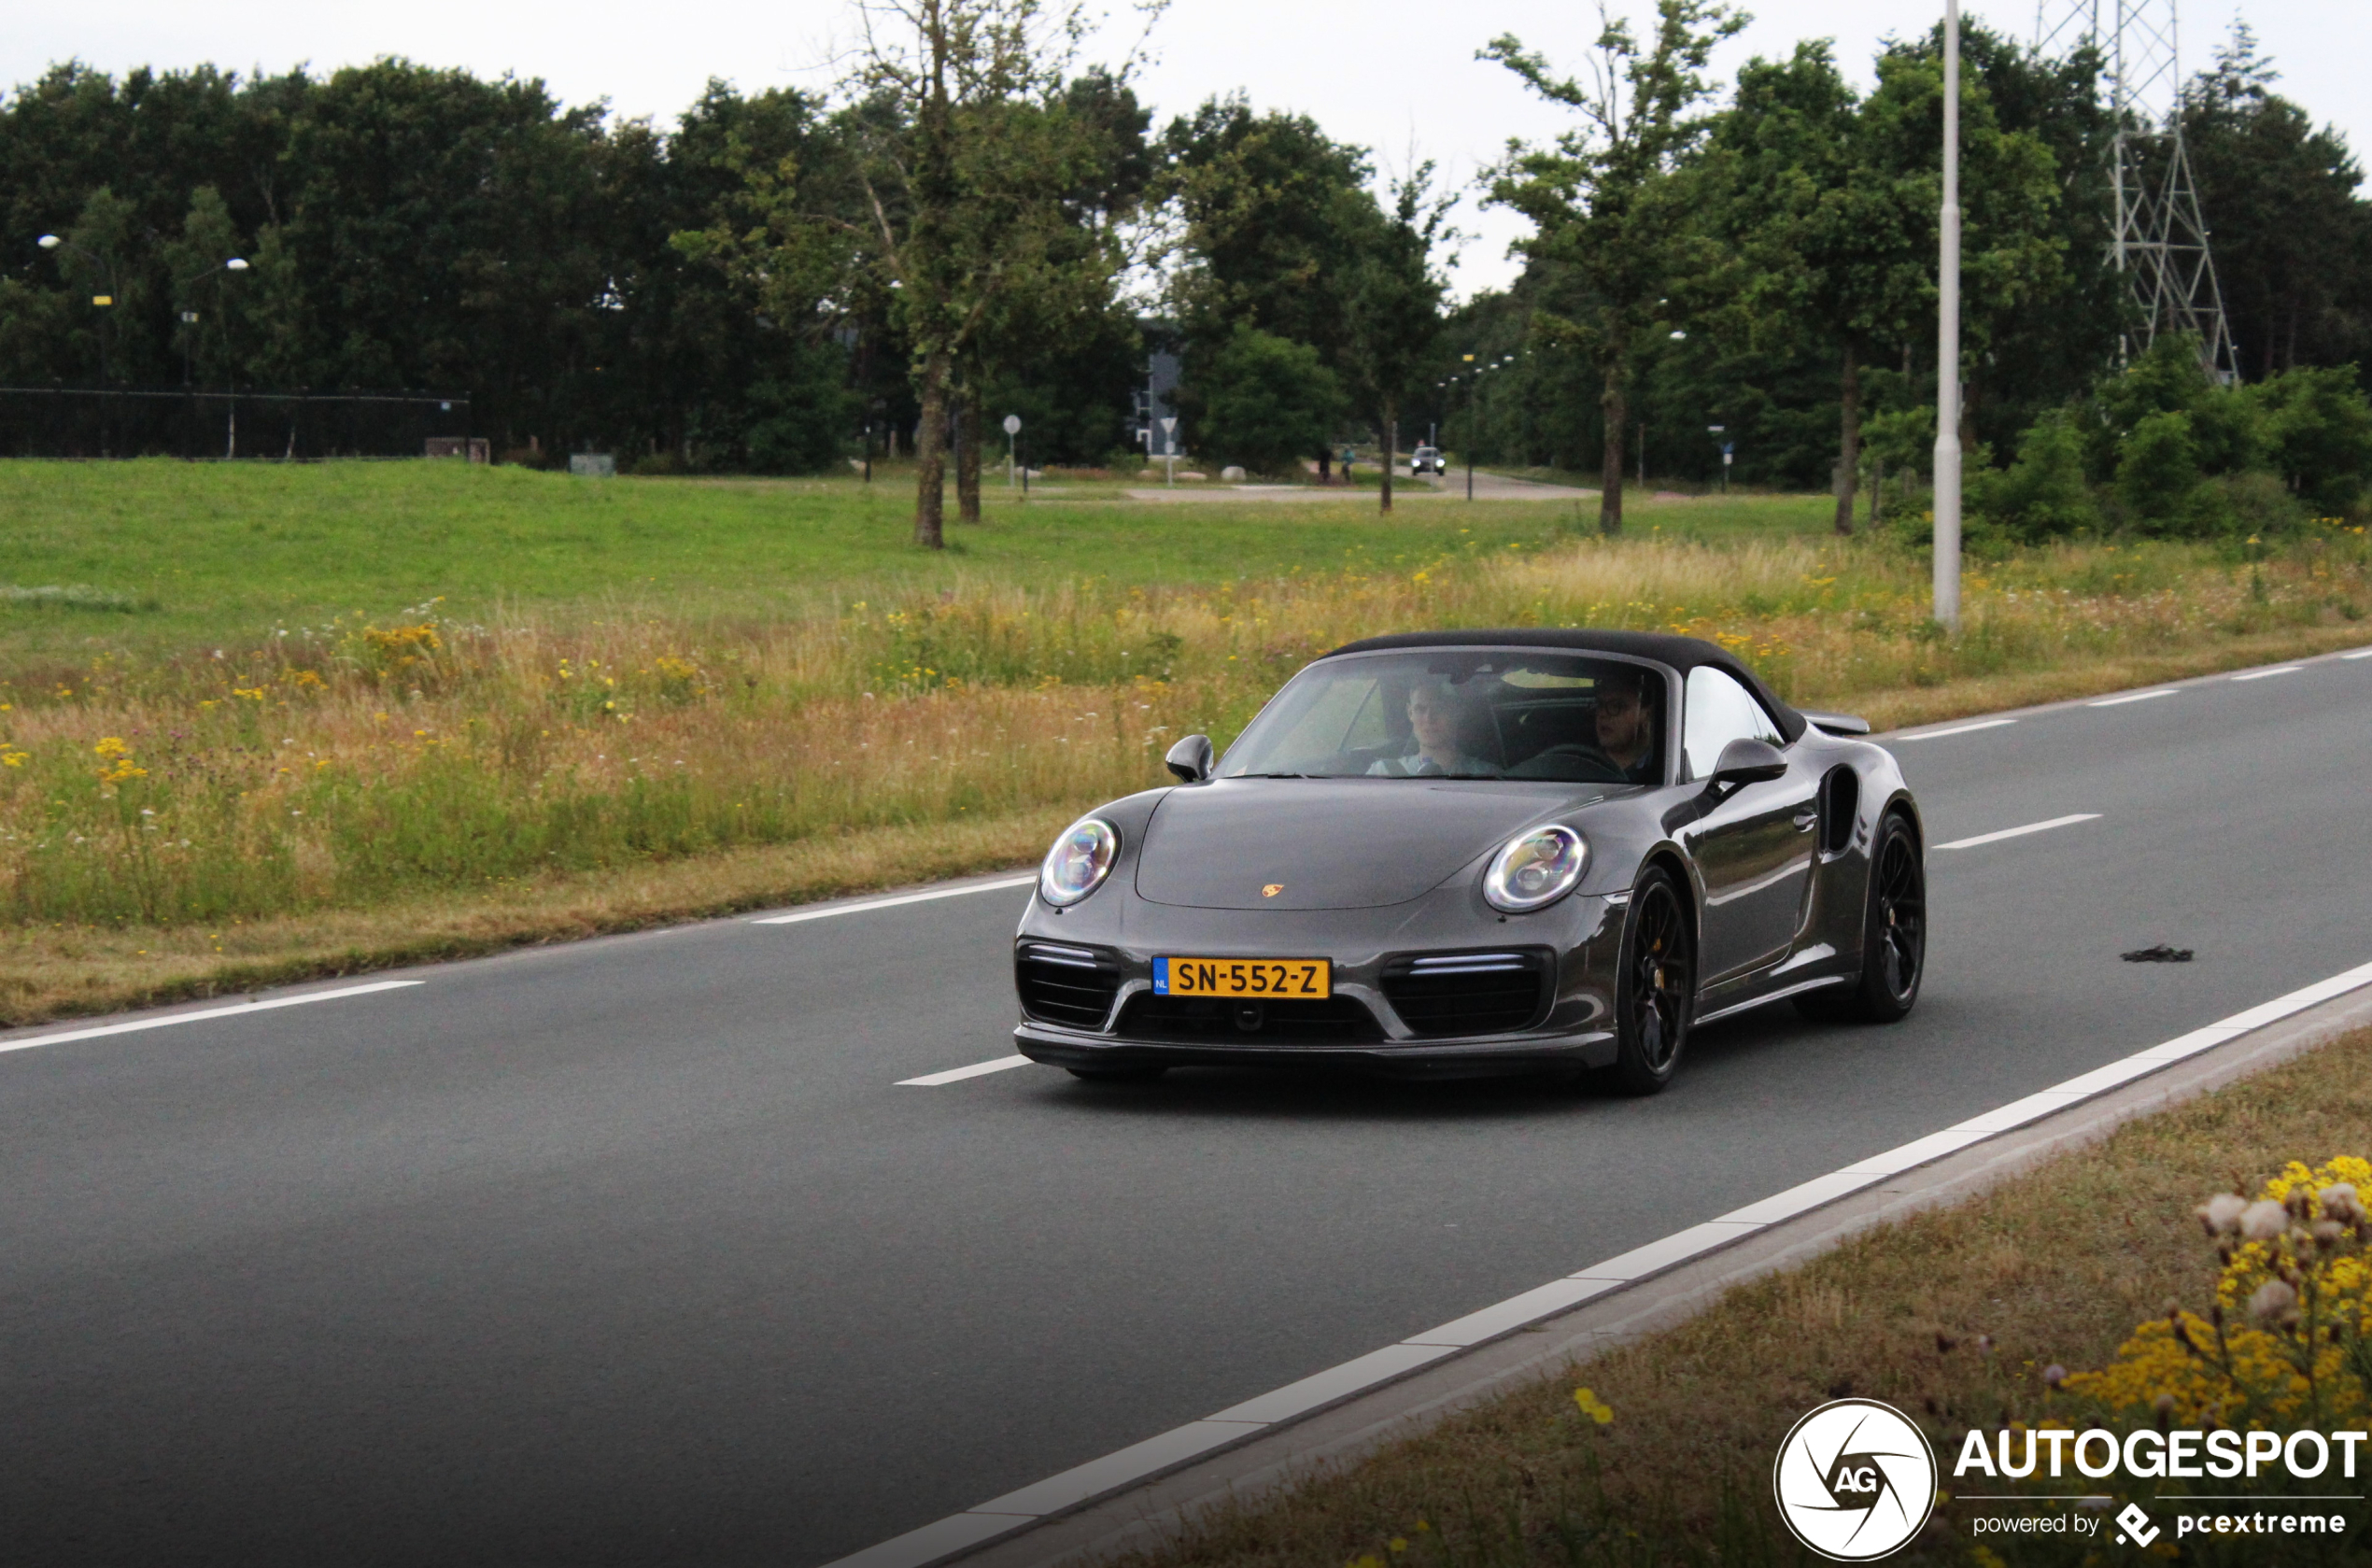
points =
(1489, 1057)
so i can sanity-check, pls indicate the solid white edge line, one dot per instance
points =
(957, 1075)
(2021, 832)
(2360, 653)
(2261, 674)
(1955, 729)
(1158, 1455)
(923, 898)
(235, 1011)
(2131, 696)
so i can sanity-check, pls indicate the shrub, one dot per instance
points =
(2318, 430)
(2158, 470)
(2044, 494)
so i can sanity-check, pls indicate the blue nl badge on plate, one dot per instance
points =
(1161, 977)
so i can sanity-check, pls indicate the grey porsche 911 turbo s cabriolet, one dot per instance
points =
(1450, 854)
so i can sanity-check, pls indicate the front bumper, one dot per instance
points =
(1484, 1056)
(1369, 951)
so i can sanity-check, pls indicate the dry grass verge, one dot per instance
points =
(1952, 1316)
(47, 972)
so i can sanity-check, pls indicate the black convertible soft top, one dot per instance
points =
(1682, 654)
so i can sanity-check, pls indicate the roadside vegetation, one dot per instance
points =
(1989, 1313)
(345, 787)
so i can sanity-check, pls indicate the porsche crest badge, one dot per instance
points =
(1272, 889)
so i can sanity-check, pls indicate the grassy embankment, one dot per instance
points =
(382, 711)
(1953, 1317)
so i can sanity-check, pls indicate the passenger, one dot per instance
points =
(1435, 714)
(1626, 709)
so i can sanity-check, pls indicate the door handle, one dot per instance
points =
(1807, 820)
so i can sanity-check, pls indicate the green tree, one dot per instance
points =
(1392, 308)
(1827, 206)
(2292, 241)
(1603, 199)
(1264, 400)
(976, 146)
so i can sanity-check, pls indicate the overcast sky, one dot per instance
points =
(1388, 74)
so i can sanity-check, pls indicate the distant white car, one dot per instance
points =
(1424, 459)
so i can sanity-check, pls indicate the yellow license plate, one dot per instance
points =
(1274, 979)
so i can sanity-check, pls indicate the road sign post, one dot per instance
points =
(1169, 448)
(1013, 429)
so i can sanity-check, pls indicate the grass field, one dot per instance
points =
(184, 553)
(1955, 1317)
(385, 712)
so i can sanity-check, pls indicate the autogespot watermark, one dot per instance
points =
(2217, 1454)
(1855, 1479)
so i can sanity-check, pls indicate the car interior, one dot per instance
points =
(1528, 717)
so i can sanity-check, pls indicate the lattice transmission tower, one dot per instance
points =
(2159, 240)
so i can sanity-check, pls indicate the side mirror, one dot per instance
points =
(1191, 759)
(1747, 761)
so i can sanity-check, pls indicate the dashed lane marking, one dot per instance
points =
(924, 897)
(1956, 729)
(2021, 832)
(957, 1075)
(236, 1010)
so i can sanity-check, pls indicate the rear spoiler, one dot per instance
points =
(1836, 723)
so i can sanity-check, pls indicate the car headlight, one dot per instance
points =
(1080, 861)
(1535, 871)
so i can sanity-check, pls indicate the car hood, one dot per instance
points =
(1328, 843)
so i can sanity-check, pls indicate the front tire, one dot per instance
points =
(1894, 935)
(1656, 992)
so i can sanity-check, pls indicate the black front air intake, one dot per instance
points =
(1224, 1021)
(1073, 986)
(1439, 994)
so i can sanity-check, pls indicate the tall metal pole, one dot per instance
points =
(1947, 497)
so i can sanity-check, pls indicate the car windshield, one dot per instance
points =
(1496, 713)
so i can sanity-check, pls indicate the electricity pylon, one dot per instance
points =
(2160, 240)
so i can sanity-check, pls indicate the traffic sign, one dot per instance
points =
(1012, 424)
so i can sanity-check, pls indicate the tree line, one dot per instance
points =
(975, 220)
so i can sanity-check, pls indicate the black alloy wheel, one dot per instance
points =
(1657, 989)
(1894, 935)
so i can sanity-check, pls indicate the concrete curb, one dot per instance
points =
(1141, 1517)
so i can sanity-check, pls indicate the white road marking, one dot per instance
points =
(1016, 1511)
(1956, 729)
(957, 1075)
(2129, 697)
(892, 903)
(2021, 832)
(2261, 674)
(2360, 653)
(136, 1025)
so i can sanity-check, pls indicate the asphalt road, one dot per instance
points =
(636, 1251)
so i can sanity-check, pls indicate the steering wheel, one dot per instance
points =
(1579, 752)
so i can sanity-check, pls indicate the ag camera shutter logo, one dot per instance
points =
(1855, 1480)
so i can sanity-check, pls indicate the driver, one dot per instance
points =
(1435, 714)
(1627, 723)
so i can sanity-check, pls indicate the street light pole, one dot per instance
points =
(1947, 496)
(103, 302)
